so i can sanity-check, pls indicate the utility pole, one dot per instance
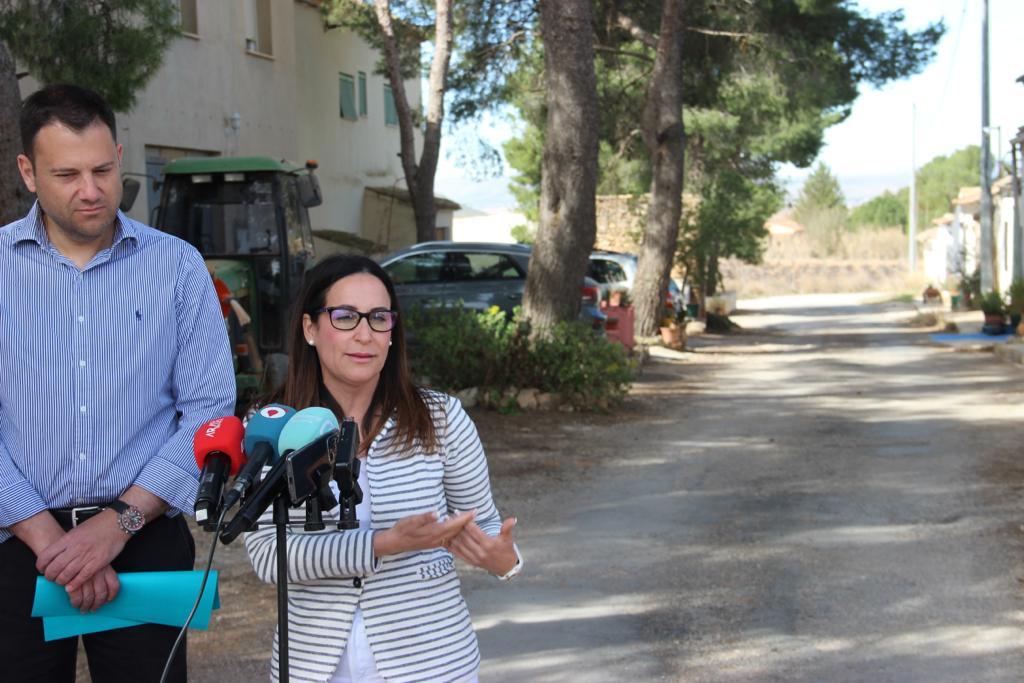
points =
(988, 272)
(1017, 163)
(912, 209)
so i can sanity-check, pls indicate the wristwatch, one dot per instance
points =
(131, 518)
(516, 568)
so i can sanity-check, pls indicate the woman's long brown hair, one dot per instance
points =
(395, 394)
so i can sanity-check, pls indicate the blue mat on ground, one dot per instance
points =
(976, 338)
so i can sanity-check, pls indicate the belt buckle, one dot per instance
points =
(76, 511)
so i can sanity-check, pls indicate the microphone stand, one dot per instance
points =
(281, 520)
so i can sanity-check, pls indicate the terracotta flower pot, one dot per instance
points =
(673, 336)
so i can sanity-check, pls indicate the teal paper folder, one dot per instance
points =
(145, 597)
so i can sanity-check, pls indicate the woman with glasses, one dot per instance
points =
(382, 602)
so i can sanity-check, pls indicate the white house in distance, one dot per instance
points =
(264, 77)
(472, 225)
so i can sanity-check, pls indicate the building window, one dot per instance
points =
(347, 90)
(362, 94)
(188, 16)
(258, 36)
(390, 112)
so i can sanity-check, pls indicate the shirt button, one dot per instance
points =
(81, 456)
(81, 318)
(81, 363)
(82, 409)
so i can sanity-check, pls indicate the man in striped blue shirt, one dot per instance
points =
(112, 352)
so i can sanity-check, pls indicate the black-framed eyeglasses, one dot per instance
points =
(346, 318)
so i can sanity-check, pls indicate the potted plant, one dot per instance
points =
(1016, 306)
(673, 329)
(994, 310)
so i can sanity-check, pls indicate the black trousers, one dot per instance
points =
(126, 655)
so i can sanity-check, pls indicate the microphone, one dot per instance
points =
(261, 436)
(303, 428)
(218, 449)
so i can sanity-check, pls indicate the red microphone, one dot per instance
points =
(218, 449)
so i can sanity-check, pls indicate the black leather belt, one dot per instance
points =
(75, 516)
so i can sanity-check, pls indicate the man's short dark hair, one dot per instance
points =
(72, 105)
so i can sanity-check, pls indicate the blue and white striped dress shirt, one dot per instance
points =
(106, 372)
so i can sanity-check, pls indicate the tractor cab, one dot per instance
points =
(249, 218)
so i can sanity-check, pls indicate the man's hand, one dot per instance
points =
(418, 532)
(98, 591)
(76, 557)
(493, 553)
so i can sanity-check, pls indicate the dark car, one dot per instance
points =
(479, 274)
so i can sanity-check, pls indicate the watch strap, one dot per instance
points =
(516, 568)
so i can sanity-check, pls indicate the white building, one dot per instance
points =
(264, 77)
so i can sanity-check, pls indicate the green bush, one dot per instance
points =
(455, 348)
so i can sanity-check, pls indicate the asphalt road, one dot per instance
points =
(826, 497)
(823, 497)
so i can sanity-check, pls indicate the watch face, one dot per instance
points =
(132, 520)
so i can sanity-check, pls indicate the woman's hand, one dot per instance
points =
(493, 553)
(418, 532)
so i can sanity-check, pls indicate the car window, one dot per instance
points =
(417, 268)
(461, 266)
(605, 271)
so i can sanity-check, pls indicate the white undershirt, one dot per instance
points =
(357, 663)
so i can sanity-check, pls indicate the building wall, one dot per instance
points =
(214, 95)
(1002, 225)
(352, 154)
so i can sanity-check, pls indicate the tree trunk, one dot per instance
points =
(15, 199)
(567, 226)
(665, 138)
(419, 178)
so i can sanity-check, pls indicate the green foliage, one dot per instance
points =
(884, 211)
(992, 303)
(820, 191)
(1016, 296)
(523, 234)
(728, 222)
(111, 46)
(938, 183)
(458, 348)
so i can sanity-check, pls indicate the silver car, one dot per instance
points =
(615, 270)
(479, 274)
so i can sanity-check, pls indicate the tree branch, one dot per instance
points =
(713, 32)
(624, 53)
(636, 31)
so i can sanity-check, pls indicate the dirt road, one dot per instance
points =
(825, 497)
(831, 499)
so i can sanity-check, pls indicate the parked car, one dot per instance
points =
(479, 274)
(617, 270)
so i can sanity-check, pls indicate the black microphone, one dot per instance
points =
(261, 435)
(218, 450)
(256, 502)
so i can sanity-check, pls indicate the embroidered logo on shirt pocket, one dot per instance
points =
(437, 568)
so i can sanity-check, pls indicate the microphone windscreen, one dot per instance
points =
(265, 427)
(304, 427)
(220, 435)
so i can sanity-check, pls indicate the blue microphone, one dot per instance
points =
(260, 444)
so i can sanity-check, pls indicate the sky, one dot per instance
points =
(871, 150)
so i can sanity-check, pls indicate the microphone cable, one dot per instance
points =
(199, 598)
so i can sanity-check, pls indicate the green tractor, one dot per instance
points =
(249, 218)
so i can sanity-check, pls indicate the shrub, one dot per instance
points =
(456, 348)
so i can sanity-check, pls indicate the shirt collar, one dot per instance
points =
(31, 227)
